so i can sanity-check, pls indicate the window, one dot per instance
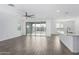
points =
(60, 28)
(59, 25)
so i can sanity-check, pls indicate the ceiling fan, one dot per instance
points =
(26, 15)
(25, 12)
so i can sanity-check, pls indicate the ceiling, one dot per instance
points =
(51, 11)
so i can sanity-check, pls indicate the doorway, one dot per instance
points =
(36, 28)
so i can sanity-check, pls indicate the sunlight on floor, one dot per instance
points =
(37, 44)
(57, 43)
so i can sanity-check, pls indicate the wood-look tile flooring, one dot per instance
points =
(33, 45)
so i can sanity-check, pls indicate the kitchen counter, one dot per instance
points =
(70, 34)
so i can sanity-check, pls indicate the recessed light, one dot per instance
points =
(66, 12)
(57, 11)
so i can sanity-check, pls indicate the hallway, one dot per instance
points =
(33, 45)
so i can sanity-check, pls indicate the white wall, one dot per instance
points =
(9, 23)
(53, 27)
(76, 25)
(48, 29)
(71, 25)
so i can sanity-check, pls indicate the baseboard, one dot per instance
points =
(10, 38)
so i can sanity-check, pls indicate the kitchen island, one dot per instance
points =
(71, 41)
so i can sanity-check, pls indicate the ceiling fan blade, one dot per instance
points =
(12, 5)
(26, 14)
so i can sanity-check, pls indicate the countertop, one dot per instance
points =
(70, 34)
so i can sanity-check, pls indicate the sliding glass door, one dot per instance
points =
(43, 28)
(28, 28)
(36, 28)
